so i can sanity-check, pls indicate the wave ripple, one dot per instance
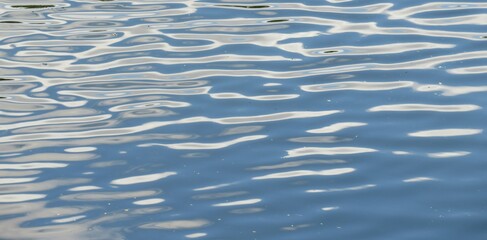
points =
(242, 119)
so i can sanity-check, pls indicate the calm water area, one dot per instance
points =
(243, 119)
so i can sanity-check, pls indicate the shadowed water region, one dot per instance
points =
(243, 119)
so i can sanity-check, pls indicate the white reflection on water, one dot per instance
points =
(449, 132)
(448, 154)
(152, 125)
(170, 61)
(80, 149)
(8, 173)
(305, 151)
(14, 198)
(142, 178)
(301, 173)
(468, 70)
(425, 107)
(296, 164)
(384, 86)
(329, 208)
(92, 94)
(149, 201)
(177, 224)
(195, 235)
(336, 127)
(51, 157)
(361, 50)
(238, 203)
(23, 166)
(15, 114)
(432, 7)
(198, 146)
(355, 85)
(148, 105)
(473, 19)
(69, 219)
(418, 179)
(212, 187)
(355, 188)
(41, 186)
(257, 98)
(58, 222)
(84, 188)
(15, 180)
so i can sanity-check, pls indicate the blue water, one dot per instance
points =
(240, 119)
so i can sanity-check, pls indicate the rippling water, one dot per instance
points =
(243, 119)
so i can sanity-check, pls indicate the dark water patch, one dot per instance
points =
(245, 6)
(277, 20)
(10, 22)
(33, 6)
(330, 51)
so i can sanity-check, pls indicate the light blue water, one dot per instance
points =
(228, 119)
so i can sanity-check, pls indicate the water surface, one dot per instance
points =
(240, 119)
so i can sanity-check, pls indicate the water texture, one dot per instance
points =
(243, 119)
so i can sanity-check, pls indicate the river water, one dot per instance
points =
(243, 119)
